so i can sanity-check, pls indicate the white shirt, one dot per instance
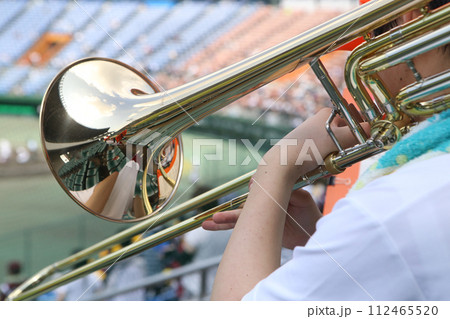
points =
(127, 272)
(207, 244)
(387, 241)
(81, 289)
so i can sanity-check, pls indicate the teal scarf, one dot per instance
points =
(428, 139)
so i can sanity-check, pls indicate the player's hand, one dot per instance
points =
(301, 219)
(305, 147)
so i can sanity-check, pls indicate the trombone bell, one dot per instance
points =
(93, 148)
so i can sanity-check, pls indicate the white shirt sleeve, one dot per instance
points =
(387, 241)
(350, 257)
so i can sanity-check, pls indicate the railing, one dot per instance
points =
(201, 266)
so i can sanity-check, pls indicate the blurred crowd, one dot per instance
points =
(18, 154)
(13, 279)
(298, 95)
(158, 260)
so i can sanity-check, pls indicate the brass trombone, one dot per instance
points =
(127, 146)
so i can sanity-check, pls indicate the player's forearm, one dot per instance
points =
(254, 249)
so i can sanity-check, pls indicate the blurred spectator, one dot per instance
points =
(156, 262)
(13, 279)
(203, 244)
(22, 155)
(125, 272)
(81, 289)
(33, 147)
(5, 150)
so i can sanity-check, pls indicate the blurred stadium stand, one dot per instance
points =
(182, 40)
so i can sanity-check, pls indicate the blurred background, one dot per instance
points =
(172, 42)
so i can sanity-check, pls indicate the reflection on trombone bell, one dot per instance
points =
(119, 195)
